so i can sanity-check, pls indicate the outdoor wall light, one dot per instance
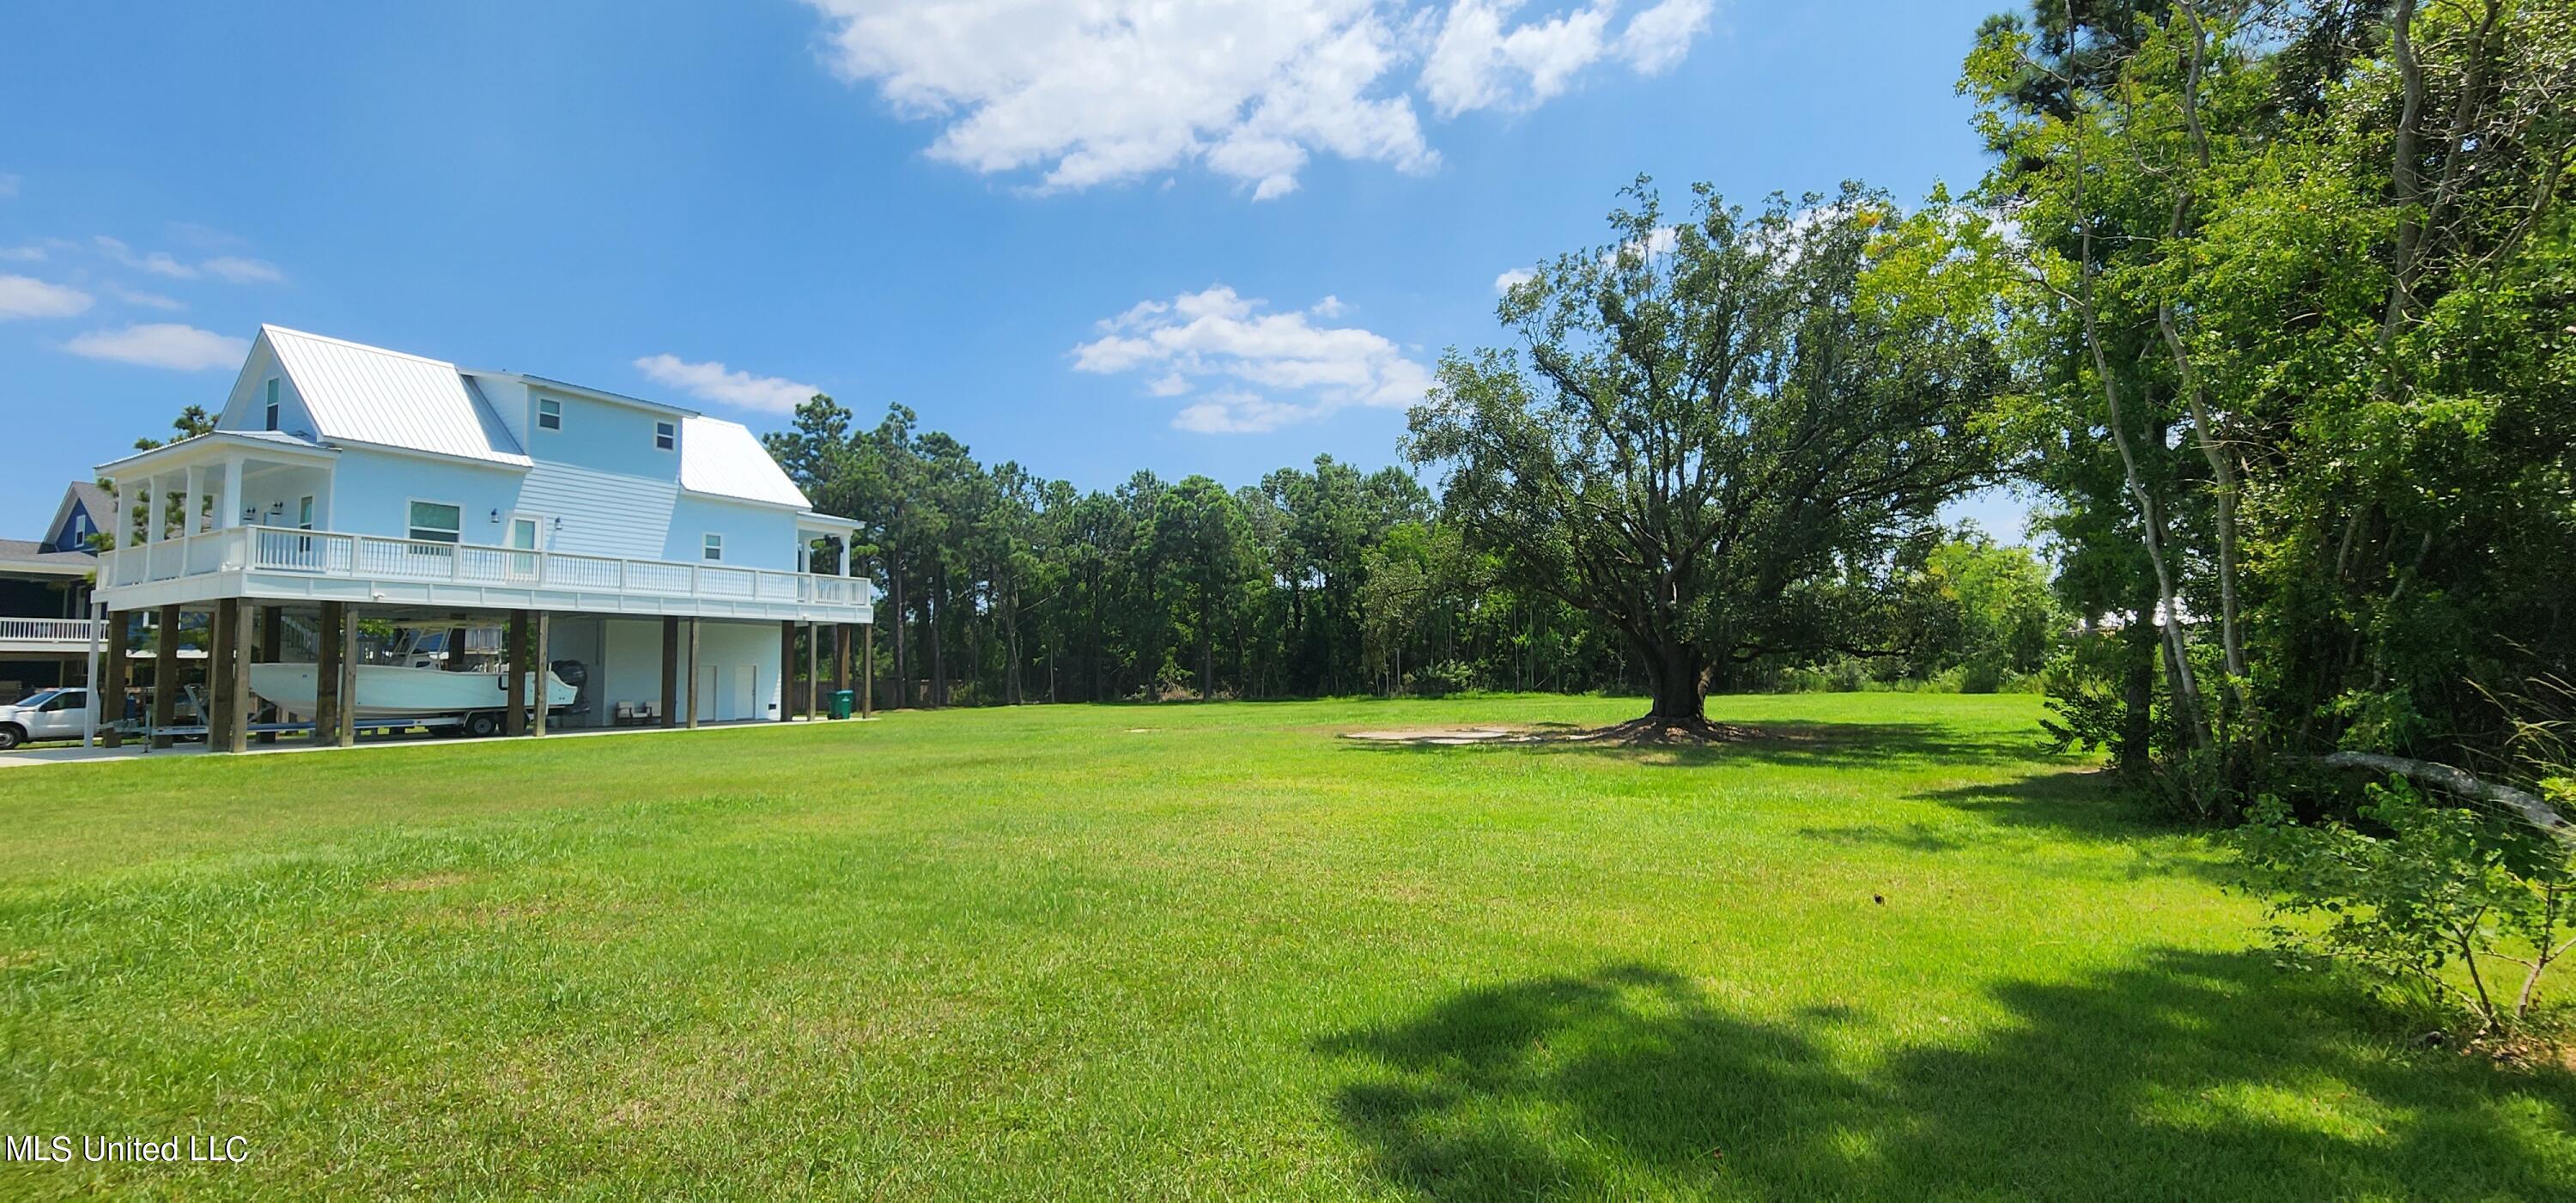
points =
(496, 517)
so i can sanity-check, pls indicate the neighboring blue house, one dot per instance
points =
(45, 629)
(85, 509)
(436, 498)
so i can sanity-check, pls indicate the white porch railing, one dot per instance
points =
(47, 630)
(324, 553)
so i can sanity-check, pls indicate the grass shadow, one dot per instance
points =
(2182, 1075)
(1913, 837)
(2089, 804)
(1807, 745)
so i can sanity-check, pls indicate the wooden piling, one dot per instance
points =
(539, 674)
(693, 673)
(328, 701)
(228, 729)
(786, 670)
(165, 678)
(272, 638)
(514, 686)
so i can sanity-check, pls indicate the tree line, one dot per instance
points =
(999, 586)
(2269, 304)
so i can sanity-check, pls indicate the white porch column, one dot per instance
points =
(193, 510)
(228, 496)
(151, 510)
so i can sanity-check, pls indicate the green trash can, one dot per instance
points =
(844, 702)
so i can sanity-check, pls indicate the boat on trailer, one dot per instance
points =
(389, 691)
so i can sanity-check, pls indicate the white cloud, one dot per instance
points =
(1659, 38)
(1115, 90)
(22, 254)
(239, 269)
(1232, 412)
(149, 300)
(1659, 241)
(1513, 279)
(163, 345)
(232, 269)
(158, 263)
(712, 381)
(1329, 307)
(1218, 335)
(26, 296)
(1479, 62)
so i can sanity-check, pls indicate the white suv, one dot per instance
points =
(46, 714)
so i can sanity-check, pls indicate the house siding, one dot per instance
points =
(603, 437)
(372, 492)
(755, 536)
(603, 513)
(247, 407)
(75, 531)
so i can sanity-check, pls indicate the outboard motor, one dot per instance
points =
(573, 673)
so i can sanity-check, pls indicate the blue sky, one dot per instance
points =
(1221, 239)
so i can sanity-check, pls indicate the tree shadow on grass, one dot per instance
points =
(2184, 1075)
(2088, 804)
(1788, 744)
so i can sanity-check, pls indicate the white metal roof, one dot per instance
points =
(362, 394)
(726, 459)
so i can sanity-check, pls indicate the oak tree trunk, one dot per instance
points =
(1677, 672)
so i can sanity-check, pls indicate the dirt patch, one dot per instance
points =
(1643, 732)
(1653, 730)
(426, 881)
(1446, 736)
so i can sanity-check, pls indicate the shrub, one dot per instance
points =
(1981, 676)
(1444, 678)
(2460, 910)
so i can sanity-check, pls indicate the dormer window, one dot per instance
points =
(549, 414)
(665, 436)
(272, 403)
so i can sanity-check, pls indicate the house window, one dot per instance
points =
(715, 546)
(436, 522)
(665, 436)
(304, 513)
(272, 403)
(549, 414)
(523, 534)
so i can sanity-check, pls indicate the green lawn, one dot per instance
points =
(1199, 951)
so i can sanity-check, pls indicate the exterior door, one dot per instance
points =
(746, 692)
(710, 701)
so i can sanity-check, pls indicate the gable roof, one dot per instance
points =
(92, 500)
(361, 394)
(725, 459)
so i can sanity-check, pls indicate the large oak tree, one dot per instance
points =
(1716, 434)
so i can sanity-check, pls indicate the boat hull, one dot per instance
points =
(388, 691)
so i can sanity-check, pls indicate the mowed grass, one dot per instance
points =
(1897, 952)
